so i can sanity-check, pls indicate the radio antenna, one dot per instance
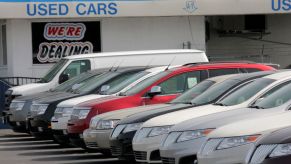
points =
(112, 66)
(170, 63)
(118, 65)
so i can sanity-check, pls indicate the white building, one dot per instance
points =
(34, 33)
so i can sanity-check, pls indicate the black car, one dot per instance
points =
(39, 119)
(20, 106)
(121, 142)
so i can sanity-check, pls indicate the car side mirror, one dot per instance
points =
(155, 90)
(63, 78)
(104, 88)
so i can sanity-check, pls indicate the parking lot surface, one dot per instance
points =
(23, 149)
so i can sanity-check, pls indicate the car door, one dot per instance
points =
(173, 87)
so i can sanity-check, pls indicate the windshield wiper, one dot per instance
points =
(122, 94)
(219, 104)
(257, 107)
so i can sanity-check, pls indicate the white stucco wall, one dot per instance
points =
(279, 27)
(117, 34)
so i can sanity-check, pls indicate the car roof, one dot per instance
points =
(129, 53)
(280, 74)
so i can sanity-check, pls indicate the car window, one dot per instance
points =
(180, 83)
(250, 70)
(277, 96)
(193, 92)
(54, 71)
(242, 94)
(77, 67)
(219, 72)
(214, 92)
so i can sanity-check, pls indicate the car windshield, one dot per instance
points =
(53, 71)
(193, 92)
(214, 92)
(276, 98)
(125, 83)
(94, 83)
(242, 94)
(145, 83)
(75, 82)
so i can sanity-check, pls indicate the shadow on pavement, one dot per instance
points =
(57, 152)
(72, 157)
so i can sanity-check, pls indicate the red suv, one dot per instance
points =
(160, 88)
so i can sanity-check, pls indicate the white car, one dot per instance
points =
(235, 142)
(186, 138)
(149, 137)
(64, 109)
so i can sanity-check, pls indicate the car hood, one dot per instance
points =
(183, 115)
(261, 125)
(146, 115)
(75, 101)
(29, 89)
(36, 96)
(120, 114)
(222, 118)
(53, 98)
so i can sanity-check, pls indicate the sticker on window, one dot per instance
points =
(192, 81)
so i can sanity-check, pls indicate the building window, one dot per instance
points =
(4, 44)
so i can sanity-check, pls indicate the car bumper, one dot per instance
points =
(182, 152)
(239, 154)
(121, 146)
(77, 126)
(97, 139)
(146, 150)
(278, 160)
(61, 136)
(40, 128)
(60, 123)
(19, 127)
(76, 139)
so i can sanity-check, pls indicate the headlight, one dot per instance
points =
(81, 113)
(67, 112)
(93, 123)
(107, 124)
(236, 141)
(17, 105)
(132, 127)
(191, 135)
(39, 109)
(159, 131)
(281, 150)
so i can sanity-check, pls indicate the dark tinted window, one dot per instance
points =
(250, 70)
(219, 72)
(242, 94)
(193, 92)
(180, 83)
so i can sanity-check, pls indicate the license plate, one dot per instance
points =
(18, 123)
(65, 132)
(81, 136)
(40, 129)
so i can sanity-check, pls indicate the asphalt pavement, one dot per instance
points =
(20, 148)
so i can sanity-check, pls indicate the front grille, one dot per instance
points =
(261, 153)
(115, 151)
(210, 146)
(92, 144)
(168, 160)
(117, 130)
(140, 155)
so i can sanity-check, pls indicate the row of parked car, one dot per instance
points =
(200, 112)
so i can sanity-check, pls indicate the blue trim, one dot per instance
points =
(73, 0)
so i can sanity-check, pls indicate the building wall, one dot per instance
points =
(275, 47)
(117, 34)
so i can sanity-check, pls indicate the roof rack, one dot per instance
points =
(214, 62)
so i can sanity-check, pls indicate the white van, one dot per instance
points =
(71, 66)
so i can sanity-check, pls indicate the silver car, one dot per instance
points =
(185, 139)
(236, 142)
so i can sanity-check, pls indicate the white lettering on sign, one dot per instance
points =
(53, 52)
(64, 31)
